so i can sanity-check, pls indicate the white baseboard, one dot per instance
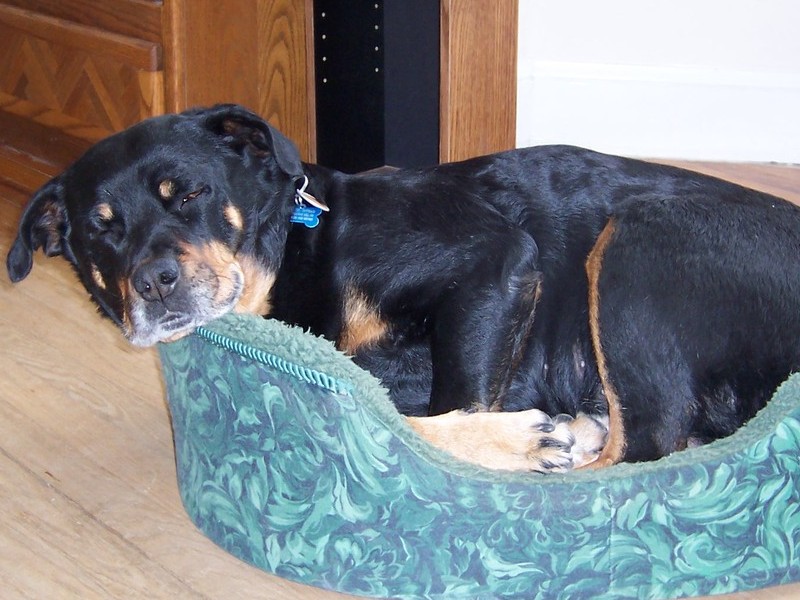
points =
(678, 112)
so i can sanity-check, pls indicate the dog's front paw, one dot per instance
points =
(590, 434)
(550, 443)
(511, 441)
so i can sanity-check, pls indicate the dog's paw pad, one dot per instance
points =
(551, 447)
(571, 443)
(591, 434)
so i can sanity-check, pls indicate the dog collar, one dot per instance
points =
(307, 208)
(301, 195)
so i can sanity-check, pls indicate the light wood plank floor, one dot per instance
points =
(89, 506)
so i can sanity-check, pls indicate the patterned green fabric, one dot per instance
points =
(292, 458)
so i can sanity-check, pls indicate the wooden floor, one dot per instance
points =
(89, 506)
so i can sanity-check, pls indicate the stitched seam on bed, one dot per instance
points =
(305, 374)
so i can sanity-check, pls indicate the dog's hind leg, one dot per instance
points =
(642, 312)
(637, 360)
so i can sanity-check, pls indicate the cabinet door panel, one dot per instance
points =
(100, 79)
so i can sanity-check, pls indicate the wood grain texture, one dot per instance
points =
(23, 171)
(97, 91)
(30, 151)
(85, 74)
(84, 69)
(66, 84)
(478, 77)
(128, 50)
(254, 53)
(89, 506)
(134, 18)
(229, 71)
(286, 71)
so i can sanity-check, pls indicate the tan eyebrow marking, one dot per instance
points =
(166, 189)
(234, 216)
(105, 212)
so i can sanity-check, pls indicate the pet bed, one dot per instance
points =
(293, 459)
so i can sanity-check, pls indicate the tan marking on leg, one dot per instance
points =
(508, 441)
(362, 324)
(615, 446)
(258, 282)
(97, 277)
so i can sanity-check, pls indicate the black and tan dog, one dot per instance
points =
(549, 280)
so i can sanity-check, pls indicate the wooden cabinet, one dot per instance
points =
(75, 71)
(478, 87)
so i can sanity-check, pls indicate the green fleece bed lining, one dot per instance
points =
(292, 458)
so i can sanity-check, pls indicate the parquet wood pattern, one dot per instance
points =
(95, 77)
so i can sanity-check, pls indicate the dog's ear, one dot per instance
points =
(239, 127)
(43, 225)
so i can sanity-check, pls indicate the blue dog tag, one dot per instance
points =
(306, 215)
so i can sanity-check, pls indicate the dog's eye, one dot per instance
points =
(193, 195)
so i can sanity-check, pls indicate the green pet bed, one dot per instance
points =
(293, 459)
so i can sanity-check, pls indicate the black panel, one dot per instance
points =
(411, 82)
(349, 84)
(377, 90)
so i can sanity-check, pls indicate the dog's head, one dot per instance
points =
(162, 222)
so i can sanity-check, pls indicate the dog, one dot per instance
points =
(539, 309)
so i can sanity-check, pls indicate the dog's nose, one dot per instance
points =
(156, 279)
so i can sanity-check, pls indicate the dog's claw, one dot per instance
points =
(563, 418)
(572, 442)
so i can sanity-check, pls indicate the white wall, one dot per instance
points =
(695, 79)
